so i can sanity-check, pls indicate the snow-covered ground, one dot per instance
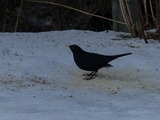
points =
(40, 81)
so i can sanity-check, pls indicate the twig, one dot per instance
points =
(158, 17)
(150, 3)
(18, 16)
(145, 10)
(127, 17)
(140, 21)
(57, 4)
(4, 26)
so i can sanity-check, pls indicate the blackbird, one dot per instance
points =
(91, 61)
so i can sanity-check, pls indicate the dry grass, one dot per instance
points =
(31, 16)
(148, 18)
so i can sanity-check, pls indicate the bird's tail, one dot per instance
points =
(117, 56)
(121, 55)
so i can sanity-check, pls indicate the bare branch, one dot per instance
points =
(57, 4)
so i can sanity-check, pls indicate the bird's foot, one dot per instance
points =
(89, 78)
(91, 74)
(88, 74)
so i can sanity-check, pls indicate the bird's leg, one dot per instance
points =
(92, 75)
(89, 74)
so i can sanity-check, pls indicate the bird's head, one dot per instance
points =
(75, 49)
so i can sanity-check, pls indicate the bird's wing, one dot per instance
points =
(93, 61)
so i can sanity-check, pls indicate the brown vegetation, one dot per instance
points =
(36, 17)
(30, 16)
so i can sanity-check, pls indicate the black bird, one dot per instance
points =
(91, 61)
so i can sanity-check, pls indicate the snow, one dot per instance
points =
(40, 81)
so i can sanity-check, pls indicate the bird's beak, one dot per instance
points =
(67, 45)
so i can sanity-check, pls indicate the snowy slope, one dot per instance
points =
(40, 81)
